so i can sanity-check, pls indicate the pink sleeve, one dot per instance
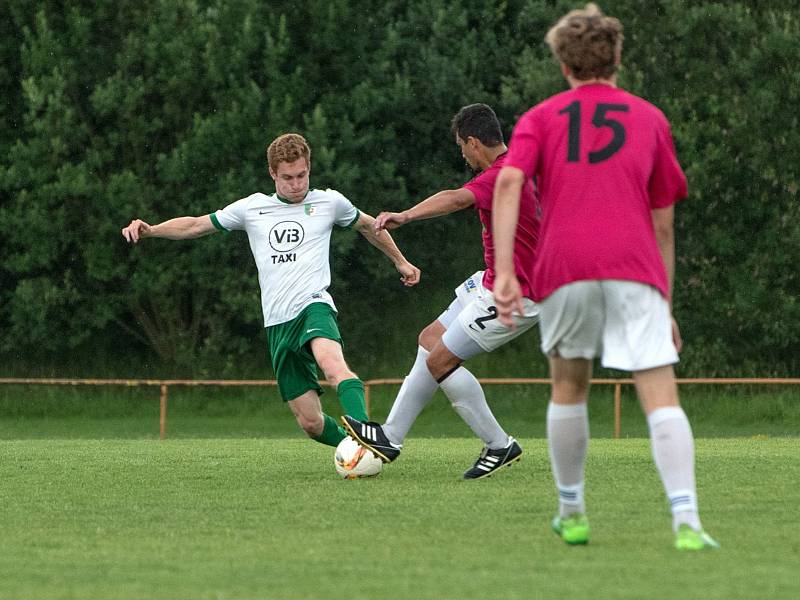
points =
(523, 149)
(482, 187)
(667, 182)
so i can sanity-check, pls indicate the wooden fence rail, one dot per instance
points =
(165, 384)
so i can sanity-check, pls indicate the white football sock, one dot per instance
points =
(568, 439)
(673, 452)
(467, 398)
(414, 395)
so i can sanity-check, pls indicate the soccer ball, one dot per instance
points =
(353, 461)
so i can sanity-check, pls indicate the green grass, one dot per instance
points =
(267, 518)
(237, 504)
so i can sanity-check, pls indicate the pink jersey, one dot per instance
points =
(603, 159)
(482, 187)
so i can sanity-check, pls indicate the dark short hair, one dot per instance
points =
(480, 122)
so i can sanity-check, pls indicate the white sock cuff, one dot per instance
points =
(683, 500)
(570, 494)
(422, 353)
(667, 413)
(566, 411)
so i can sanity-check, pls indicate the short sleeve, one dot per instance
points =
(482, 187)
(525, 147)
(232, 217)
(667, 183)
(344, 213)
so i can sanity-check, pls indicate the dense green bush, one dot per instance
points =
(159, 108)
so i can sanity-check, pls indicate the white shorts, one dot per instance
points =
(627, 322)
(472, 324)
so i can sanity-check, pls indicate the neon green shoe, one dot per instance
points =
(573, 529)
(687, 538)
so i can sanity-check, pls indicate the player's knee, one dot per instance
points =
(432, 364)
(571, 391)
(430, 336)
(311, 424)
(334, 379)
(335, 371)
(439, 365)
(337, 375)
(427, 339)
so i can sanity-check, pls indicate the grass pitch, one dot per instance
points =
(268, 518)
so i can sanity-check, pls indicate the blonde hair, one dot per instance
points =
(287, 148)
(588, 42)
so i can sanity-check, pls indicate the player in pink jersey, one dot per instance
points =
(469, 326)
(608, 178)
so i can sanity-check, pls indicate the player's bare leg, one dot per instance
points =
(436, 361)
(431, 335)
(568, 440)
(466, 395)
(307, 412)
(416, 392)
(349, 388)
(673, 451)
(318, 426)
(417, 389)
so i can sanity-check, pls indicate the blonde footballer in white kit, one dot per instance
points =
(289, 233)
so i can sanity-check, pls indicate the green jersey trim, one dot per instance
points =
(287, 201)
(215, 222)
(353, 222)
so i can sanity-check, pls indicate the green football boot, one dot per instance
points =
(573, 529)
(687, 538)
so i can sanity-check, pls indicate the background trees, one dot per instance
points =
(159, 108)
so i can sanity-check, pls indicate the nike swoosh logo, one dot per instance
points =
(310, 330)
(263, 212)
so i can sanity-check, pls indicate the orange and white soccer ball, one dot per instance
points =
(353, 461)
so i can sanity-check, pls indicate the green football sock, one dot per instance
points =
(351, 397)
(331, 434)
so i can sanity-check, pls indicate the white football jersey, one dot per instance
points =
(291, 246)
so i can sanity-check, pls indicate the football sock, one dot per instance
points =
(331, 434)
(673, 452)
(467, 398)
(414, 395)
(351, 397)
(568, 439)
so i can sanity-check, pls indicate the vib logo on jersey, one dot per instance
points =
(286, 236)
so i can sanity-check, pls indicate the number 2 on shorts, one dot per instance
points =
(492, 315)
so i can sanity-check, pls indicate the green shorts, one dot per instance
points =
(289, 347)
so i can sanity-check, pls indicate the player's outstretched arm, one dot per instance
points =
(384, 242)
(181, 228)
(441, 203)
(505, 215)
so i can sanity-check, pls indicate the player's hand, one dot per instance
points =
(507, 298)
(410, 273)
(676, 335)
(389, 221)
(135, 231)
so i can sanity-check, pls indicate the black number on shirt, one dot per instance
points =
(492, 310)
(599, 119)
(574, 135)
